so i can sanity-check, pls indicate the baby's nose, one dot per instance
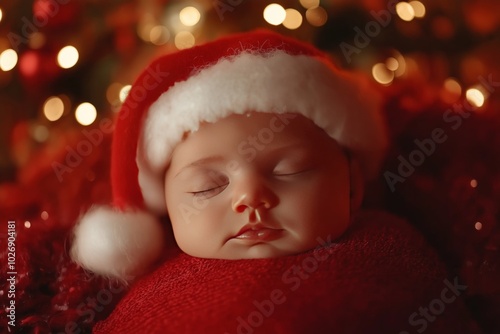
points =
(252, 192)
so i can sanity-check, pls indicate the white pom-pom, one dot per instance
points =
(117, 244)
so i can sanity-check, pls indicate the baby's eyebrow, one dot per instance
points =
(201, 162)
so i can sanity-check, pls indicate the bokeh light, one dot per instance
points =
(309, 3)
(478, 226)
(37, 40)
(451, 91)
(85, 114)
(184, 40)
(418, 8)
(473, 183)
(392, 63)
(40, 133)
(293, 19)
(67, 57)
(53, 108)
(122, 95)
(189, 16)
(1, 15)
(44, 215)
(382, 74)
(274, 14)
(452, 86)
(159, 35)
(27, 224)
(317, 16)
(475, 97)
(8, 60)
(405, 11)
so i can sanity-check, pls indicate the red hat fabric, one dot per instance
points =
(258, 71)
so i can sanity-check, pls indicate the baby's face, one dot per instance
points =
(257, 186)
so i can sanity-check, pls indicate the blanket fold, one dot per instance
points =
(380, 277)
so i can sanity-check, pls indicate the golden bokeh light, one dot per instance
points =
(418, 8)
(67, 57)
(382, 74)
(159, 35)
(317, 16)
(452, 86)
(184, 40)
(189, 16)
(392, 63)
(85, 114)
(274, 14)
(309, 3)
(293, 19)
(123, 93)
(405, 11)
(53, 108)
(8, 60)
(475, 97)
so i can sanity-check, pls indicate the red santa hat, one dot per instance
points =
(258, 71)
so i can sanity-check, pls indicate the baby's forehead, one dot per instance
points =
(258, 132)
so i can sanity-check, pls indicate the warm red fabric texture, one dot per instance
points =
(381, 277)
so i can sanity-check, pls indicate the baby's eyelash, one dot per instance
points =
(207, 192)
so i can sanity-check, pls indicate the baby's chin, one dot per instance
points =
(254, 251)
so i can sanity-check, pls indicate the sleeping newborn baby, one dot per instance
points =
(252, 146)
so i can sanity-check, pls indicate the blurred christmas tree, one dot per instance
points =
(57, 54)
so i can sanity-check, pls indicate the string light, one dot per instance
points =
(317, 16)
(418, 8)
(67, 57)
(405, 11)
(189, 16)
(8, 60)
(293, 19)
(184, 40)
(85, 114)
(53, 108)
(274, 14)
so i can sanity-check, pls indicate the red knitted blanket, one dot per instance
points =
(381, 277)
